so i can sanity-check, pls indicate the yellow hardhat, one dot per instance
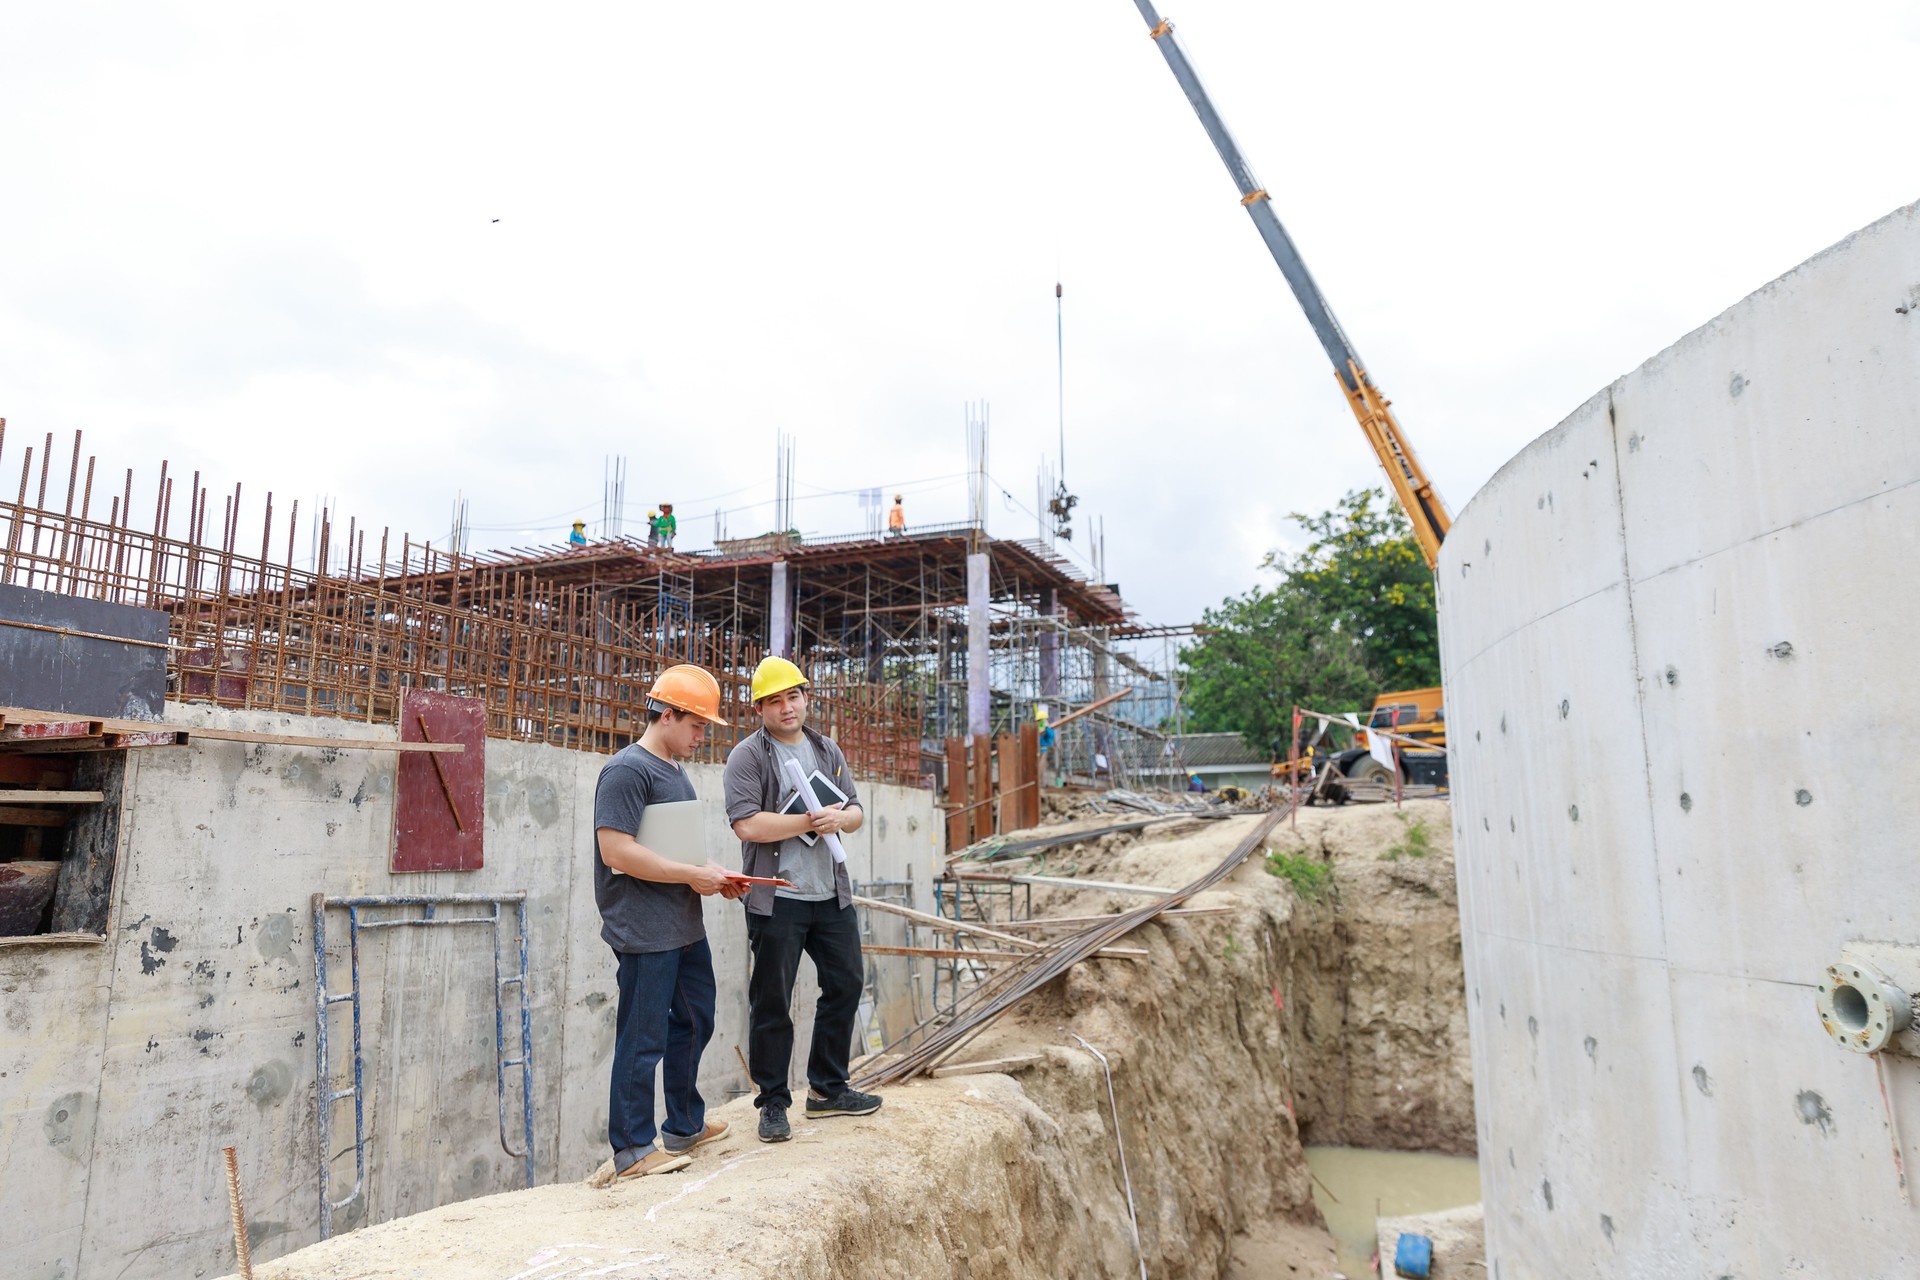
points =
(775, 675)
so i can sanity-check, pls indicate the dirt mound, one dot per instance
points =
(1228, 1041)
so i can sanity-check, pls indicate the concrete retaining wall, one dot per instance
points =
(1677, 635)
(125, 1066)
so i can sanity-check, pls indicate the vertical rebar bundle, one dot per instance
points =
(241, 1253)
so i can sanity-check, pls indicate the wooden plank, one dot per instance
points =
(980, 821)
(308, 740)
(1081, 922)
(1006, 1066)
(108, 741)
(27, 715)
(53, 746)
(14, 717)
(1030, 773)
(41, 730)
(979, 930)
(949, 926)
(957, 796)
(13, 816)
(1062, 882)
(942, 953)
(152, 738)
(1071, 716)
(51, 797)
(1007, 757)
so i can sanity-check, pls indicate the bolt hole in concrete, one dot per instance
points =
(1398, 1182)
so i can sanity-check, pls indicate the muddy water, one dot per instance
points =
(1360, 1185)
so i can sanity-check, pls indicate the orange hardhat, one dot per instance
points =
(690, 689)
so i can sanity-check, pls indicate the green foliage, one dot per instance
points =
(1416, 841)
(1233, 948)
(1348, 617)
(1311, 879)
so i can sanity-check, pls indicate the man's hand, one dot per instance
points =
(708, 880)
(735, 889)
(831, 819)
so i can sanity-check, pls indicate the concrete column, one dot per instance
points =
(780, 613)
(979, 694)
(1049, 648)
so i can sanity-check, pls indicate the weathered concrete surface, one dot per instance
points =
(1676, 635)
(977, 1175)
(988, 1176)
(126, 1065)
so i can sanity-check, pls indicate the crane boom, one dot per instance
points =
(1422, 503)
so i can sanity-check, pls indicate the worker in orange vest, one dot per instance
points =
(896, 518)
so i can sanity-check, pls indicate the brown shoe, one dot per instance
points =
(656, 1162)
(679, 1146)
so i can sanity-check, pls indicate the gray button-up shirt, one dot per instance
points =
(755, 784)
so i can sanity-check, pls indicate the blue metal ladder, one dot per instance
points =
(327, 1097)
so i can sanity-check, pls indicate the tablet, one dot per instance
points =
(824, 791)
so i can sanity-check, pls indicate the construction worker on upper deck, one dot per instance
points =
(578, 538)
(814, 916)
(897, 518)
(666, 526)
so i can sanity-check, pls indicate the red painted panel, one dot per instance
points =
(426, 834)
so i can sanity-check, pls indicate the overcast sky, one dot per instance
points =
(394, 252)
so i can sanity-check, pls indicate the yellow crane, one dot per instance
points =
(1418, 713)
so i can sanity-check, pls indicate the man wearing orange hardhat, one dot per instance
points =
(812, 917)
(650, 915)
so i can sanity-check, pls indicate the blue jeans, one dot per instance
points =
(664, 1020)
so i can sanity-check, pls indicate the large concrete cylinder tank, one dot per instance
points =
(1681, 637)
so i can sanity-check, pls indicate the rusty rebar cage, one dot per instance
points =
(564, 662)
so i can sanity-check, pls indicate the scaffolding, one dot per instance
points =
(560, 643)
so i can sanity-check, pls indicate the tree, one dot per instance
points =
(1351, 615)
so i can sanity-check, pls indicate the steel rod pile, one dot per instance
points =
(976, 1010)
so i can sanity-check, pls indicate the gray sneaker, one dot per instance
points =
(773, 1125)
(848, 1102)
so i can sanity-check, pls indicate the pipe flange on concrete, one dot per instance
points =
(1860, 1008)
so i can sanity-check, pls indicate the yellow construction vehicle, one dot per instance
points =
(1417, 713)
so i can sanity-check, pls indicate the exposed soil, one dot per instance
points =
(1341, 1019)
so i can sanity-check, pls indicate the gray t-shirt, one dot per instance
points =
(640, 916)
(809, 867)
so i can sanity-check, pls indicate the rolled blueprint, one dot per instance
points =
(813, 806)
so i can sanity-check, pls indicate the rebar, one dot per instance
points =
(975, 1011)
(240, 1250)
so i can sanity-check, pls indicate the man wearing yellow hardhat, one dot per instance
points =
(578, 538)
(896, 518)
(650, 915)
(814, 917)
